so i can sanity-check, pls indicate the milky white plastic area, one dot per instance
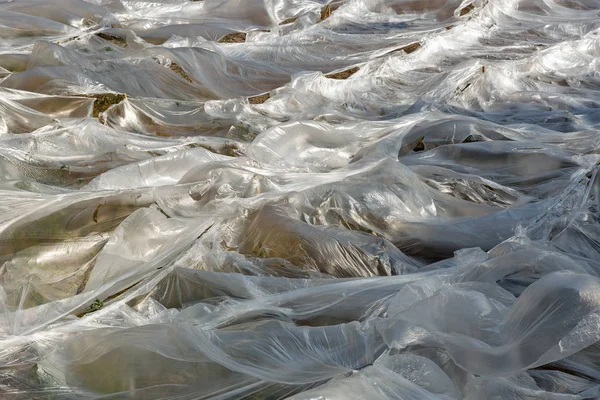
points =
(397, 201)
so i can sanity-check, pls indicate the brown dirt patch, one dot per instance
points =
(261, 98)
(411, 47)
(288, 21)
(227, 149)
(113, 39)
(328, 10)
(236, 37)
(343, 74)
(407, 49)
(104, 101)
(178, 70)
(467, 10)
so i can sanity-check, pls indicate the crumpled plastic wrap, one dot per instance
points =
(299, 199)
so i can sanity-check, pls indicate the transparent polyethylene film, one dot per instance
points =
(299, 199)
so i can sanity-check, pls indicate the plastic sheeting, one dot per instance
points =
(294, 199)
